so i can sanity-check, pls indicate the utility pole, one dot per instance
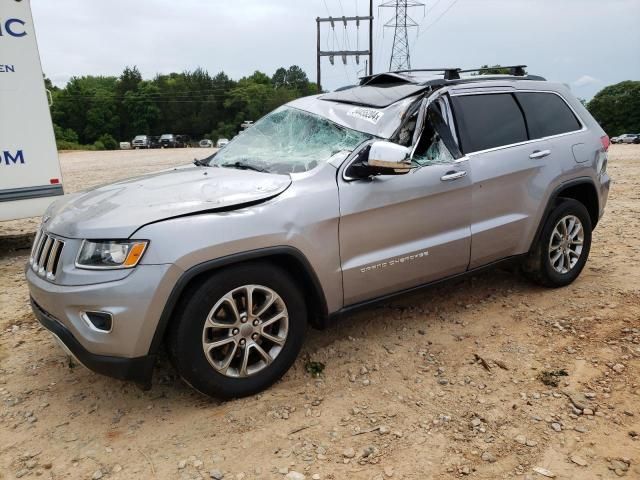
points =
(401, 22)
(370, 37)
(343, 53)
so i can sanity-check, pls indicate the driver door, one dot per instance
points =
(401, 231)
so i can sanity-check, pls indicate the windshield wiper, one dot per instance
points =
(201, 163)
(243, 166)
(204, 162)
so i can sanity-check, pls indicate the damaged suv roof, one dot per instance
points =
(379, 96)
(377, 105)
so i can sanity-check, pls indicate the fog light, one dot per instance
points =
(99, 321)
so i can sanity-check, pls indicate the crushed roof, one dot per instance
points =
(384, 89)
(379, 96)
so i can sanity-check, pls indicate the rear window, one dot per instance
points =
(488, 121)
(547, 114)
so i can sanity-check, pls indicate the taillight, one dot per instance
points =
(605, 142)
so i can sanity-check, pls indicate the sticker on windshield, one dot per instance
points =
(367, 114)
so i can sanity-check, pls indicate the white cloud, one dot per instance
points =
(586, 80)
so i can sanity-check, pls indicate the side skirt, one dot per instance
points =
(345, 311)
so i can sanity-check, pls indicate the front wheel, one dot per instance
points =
(563, 247)
(239, 331)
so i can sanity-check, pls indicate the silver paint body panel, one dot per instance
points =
(362, 238)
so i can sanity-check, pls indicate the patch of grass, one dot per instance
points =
(314, 368)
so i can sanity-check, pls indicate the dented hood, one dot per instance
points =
(119, 209)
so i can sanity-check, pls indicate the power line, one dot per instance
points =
(138, 94)
(441, 15)
(420, 32)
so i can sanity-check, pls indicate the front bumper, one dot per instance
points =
(135, 304)
(137, 369)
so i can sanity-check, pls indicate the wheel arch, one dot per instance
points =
(583, 190)
(292, 259)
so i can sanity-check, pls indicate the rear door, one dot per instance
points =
(506, 172)
(514, 158)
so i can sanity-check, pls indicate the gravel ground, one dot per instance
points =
(445, 383)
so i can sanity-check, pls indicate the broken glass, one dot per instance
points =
(436, 154)
(288, 140)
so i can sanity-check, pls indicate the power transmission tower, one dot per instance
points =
(401, 22)
(344, 53)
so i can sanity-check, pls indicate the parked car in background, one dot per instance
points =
(168, 140)
(205, 143)
(125, 145)
(626, 138)
(154, 142)
(246, 124)
(222, 142)
(325, 205)
(182, 141)
(141, 141)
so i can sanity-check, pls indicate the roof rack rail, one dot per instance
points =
(514, 70)
(454, 73)
(449, 73)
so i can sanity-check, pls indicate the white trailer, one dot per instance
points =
(30, 177)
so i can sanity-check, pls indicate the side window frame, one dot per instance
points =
(581, 124)
(446, 116)
(456, 116)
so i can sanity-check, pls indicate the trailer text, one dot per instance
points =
(12, 27)
(9, 158)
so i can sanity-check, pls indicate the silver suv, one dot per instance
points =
(327, 204)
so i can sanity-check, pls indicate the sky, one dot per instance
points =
(587, 44)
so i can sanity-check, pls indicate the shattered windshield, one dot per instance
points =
(287, 140)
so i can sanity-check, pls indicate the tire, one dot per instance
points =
(191, 331)
(539, 266)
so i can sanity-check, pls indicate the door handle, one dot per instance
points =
(539, 154)
(452, 176)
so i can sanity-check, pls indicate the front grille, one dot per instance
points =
(45, 255)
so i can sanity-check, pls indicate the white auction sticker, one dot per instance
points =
(370, 115)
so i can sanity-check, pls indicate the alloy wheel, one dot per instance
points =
(565, 245)
(245, 331)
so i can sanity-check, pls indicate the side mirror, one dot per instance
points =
(389, 158)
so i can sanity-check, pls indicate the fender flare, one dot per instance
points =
(552, 201)
(215, 264)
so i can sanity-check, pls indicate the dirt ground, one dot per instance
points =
(404, 394)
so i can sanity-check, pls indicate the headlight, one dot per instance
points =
(110, 254)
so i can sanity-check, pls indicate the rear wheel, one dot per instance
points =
(239, 331)
(563, 247)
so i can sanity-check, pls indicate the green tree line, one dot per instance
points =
(617, 108)
(99, 112)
